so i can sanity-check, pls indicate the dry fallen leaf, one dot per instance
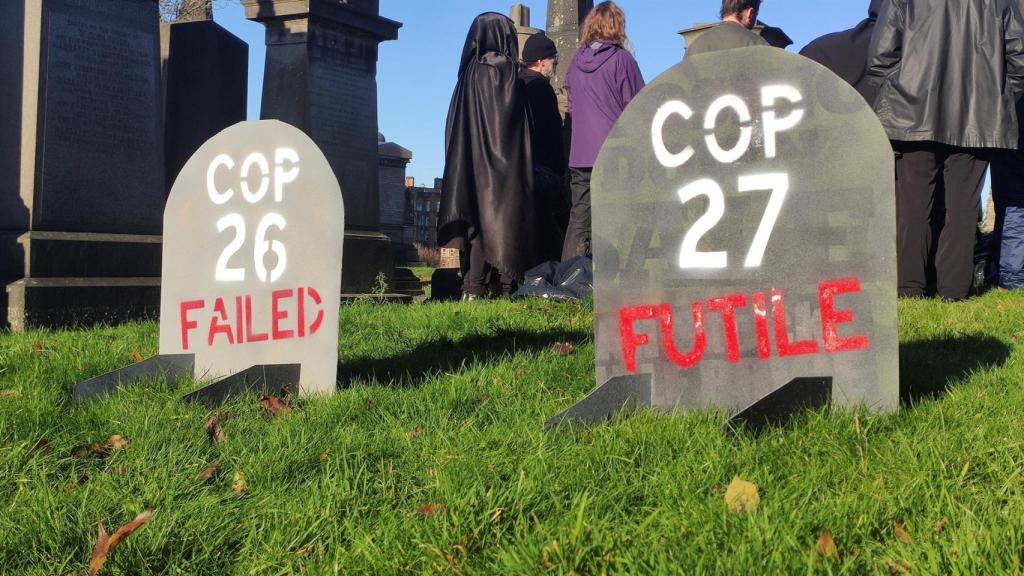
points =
(214, 429)
(238, 485)
(105, 544)
(209, 473)
(563, 348)
(941, 525)
(416, 432)
(901, 532)
(37, 348)
(275, 406)
(900, 568)
(93, 449)
(741, 496)
(41, 446)
(117, 442)
(137, 356)
(119, 470)
(431, 509)
(827, 545)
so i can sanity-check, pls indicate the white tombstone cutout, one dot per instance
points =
(253, 234)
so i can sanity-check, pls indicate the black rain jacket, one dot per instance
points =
(846, 52)
(949, 71)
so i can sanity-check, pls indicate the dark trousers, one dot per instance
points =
(577, 237)
(1008, 198)
(928, 176)
(552, 212)
(477, 273)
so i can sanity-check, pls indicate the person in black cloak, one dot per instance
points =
(846, 53)
(487, 203)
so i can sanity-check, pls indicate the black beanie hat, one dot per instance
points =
(539, 47)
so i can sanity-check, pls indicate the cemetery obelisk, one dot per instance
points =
(82, 189)
(205, 82)
(321, 76)
(565, 19)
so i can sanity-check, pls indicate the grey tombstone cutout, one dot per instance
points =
(83, 191)
(253, 235)
(744, 244)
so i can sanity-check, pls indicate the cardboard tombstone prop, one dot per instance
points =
(253, 233)
(744, 244)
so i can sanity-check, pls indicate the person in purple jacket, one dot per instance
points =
(602, 79)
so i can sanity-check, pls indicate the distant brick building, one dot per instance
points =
(422, 215)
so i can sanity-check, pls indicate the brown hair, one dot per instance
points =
(605, 23)
(734, 7)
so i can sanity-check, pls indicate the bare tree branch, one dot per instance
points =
(188, 10)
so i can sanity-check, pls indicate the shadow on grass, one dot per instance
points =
(929, 367)
(410, 368)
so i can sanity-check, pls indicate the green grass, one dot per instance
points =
(445, 406)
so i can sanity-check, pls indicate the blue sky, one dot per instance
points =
(416, 73)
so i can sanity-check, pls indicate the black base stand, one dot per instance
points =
(628, 393)
(170, 366)
(785, 402)
(620, 394)
(263, 379)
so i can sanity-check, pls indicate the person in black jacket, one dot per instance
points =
(540, 56)
(487, 199)
(948, 73)
(846, 52)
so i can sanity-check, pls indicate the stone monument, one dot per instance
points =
(321, 76)
(205, 85)
(565, 20)
(520, 14)
(83, 184)
(393, 162)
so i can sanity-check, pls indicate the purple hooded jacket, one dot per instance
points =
(602, 79)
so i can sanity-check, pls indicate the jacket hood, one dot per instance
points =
(875, 9)
(590, 58)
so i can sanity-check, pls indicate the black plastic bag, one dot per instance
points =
(571, 281)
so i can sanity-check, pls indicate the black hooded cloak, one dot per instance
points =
(846, 52)
(488, 175)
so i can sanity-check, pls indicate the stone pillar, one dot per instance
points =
(321, 76)
(393, 162)
(520, 15)
(565, 20)
(205, 84)
(82, 193)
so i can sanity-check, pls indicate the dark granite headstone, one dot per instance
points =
(744, 238)
(252, 256)
(206, 74)
(100, 150)
(82, 84)
(321, 76)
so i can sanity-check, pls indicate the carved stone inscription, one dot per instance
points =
(343, 103)
(101, 164)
